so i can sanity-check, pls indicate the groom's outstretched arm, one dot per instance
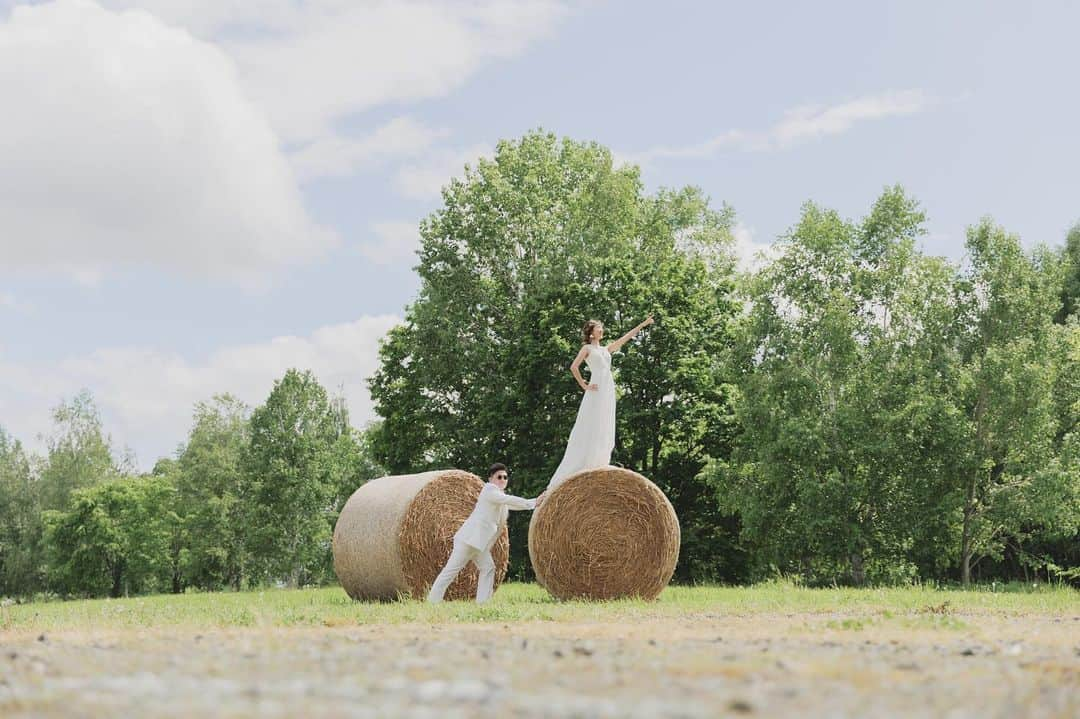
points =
(500, 497)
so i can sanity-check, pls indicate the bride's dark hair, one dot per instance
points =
(587, 330)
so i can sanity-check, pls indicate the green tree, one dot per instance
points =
(1055, 543)
(114, 539)
(209, 479)
(526, 247)
(843, 428)
(353, 461)
(168, 470)
(79, 452)
(288, 481)
(79, 455)
(1006, 390)
(1070, 285)
(20, 521)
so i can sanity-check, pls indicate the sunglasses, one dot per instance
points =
(502, 475)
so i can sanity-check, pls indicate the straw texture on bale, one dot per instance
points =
(604, 533)
(395, 534)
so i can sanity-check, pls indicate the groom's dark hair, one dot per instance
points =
(497, 467)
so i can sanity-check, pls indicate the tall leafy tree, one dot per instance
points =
(1063, 532)
(353, 461)
(209, 479)
(20, 521)
(288, 483)
(1006, 391)
(79, 455)
(79, 452)
(1062, 522)
(526, 247)
(838, 469)
(168, 470)
(1070, 285)
(114, 538)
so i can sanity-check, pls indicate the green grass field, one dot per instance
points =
(329, 606)
(773, 649)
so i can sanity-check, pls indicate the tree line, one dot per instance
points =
(855, 410)
(250, 499)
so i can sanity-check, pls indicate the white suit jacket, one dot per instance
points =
(482, 527)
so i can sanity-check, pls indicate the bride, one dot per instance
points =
(593, 437)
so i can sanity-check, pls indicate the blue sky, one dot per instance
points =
(194, 196)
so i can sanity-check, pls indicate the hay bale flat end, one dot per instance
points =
(605, 533)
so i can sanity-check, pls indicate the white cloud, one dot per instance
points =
(394, 242)
(134, 142)
(209, 17)
(425, 179)
(812, 121)
(336, 59)
(731, 138)
(146, 395)
(336, 156)
(9, 301)
(125, 141)
(798, 125)
(314, 63)
(12, 303)
(750, 254)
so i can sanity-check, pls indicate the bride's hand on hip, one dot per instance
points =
(592, 387)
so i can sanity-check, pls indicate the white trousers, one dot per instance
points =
(461, 555)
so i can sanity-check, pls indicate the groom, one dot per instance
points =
(473, 542)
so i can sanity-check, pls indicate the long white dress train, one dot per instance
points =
(593, 437)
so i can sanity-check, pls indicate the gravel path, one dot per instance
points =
(701, 666)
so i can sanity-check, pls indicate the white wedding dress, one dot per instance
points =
(593, 437)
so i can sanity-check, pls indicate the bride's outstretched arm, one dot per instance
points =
(575, 369)
(617, 344)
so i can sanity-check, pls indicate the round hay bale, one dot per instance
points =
(604, 533)
(395, 534)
